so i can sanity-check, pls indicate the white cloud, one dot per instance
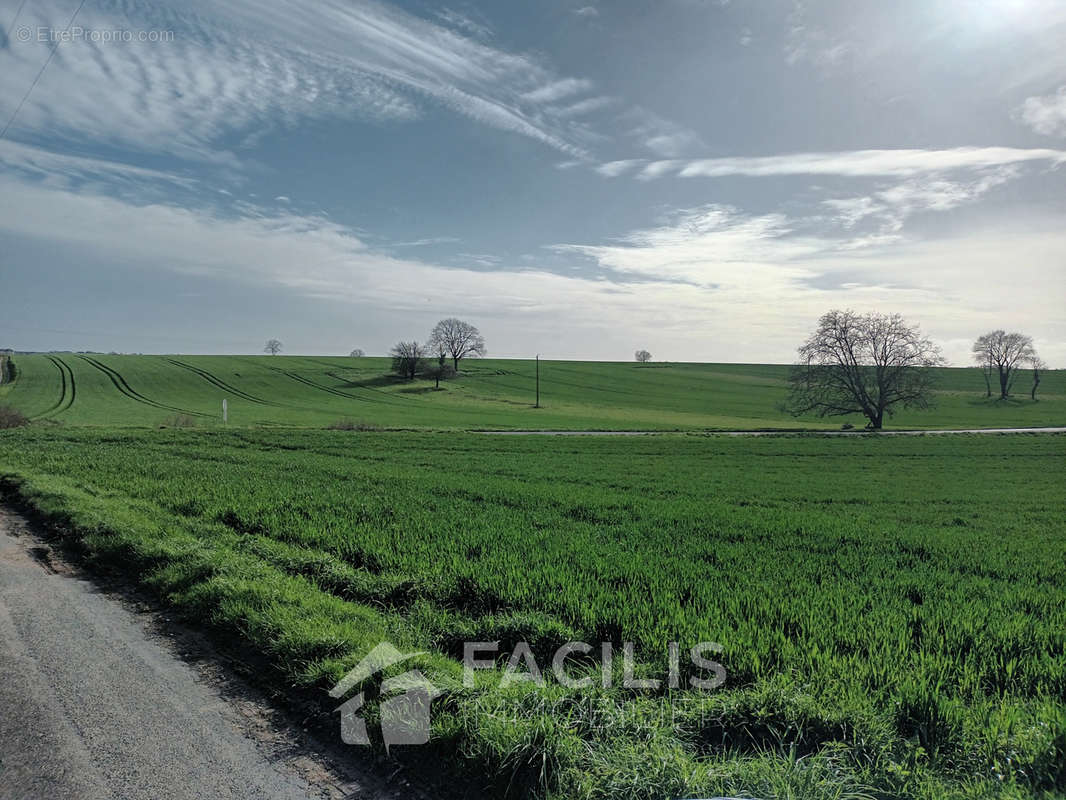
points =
(557, 90)
(587, 11)
(851, 163)
(1046, 114)
(247, 65)
(464, 23)
(892, 205)
(662, 136)
(708, 284)
(582, 107)
(805, 41)
(709, 246)
(43, 163)
(612, 169)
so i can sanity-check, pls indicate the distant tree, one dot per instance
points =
(643, 356)
(439, 368)
(1004, 354)
(408, 359)
(863, 364)
(273, 346)
(458, 339)
(986, 370)
(357, 353)
(1038, 367)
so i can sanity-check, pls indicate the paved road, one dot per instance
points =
(94, 705)
(856, 432)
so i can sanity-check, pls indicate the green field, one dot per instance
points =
(317, 391)
(892, 610)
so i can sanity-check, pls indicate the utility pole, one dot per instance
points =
(538, 382)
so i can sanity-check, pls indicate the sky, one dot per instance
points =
(699, 178)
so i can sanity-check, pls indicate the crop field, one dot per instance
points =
(891, 611)
(85, 389)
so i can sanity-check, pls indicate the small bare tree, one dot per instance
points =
(408, 359)
(1004, 354)
(642, 356)
(439, 369)
(273, 346)
(458, 339)
(863, 364)
(357, 353)
(1038, 366)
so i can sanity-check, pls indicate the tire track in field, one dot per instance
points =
(319, 386)
(386, 397)
(67, 390)
(221, 384)
(124, 388)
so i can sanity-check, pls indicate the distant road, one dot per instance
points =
(856, 432)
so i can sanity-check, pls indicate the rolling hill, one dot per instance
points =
(306, 391)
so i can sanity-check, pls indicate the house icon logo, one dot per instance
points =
(405, 700)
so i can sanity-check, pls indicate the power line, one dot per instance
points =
(44, 66)
(16, 19)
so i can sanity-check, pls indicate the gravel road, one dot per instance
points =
(95, 703)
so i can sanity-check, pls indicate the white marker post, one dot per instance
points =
(225, 411)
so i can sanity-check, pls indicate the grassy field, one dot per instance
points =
(316, 391)
(892, 611)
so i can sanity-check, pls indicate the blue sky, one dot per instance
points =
(699, 178)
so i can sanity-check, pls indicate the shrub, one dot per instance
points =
(12, 418)
(352, 425)
(180, 421)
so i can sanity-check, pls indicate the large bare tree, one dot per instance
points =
(863, 364)
(1003, 354)
(642, 356)
(408, 359)
(458, 339)
(273, 346)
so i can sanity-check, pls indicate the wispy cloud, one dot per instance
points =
(890, 206)
(1045, 114)
(326, 59)
(806, 41)
(582, 107)
(427, 241)
(464, 22)
(850, 163)
(557, 90)
(708, 246)
(60, 167)
(612, 169)
(662, 136)
(587, 11)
